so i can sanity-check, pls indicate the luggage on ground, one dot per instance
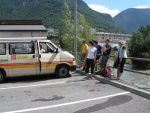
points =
(106, 72)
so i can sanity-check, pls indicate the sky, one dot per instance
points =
(113, 7)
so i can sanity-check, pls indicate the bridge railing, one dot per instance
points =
(137, 59)
(130, 70)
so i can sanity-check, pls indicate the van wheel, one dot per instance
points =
(62, 71)
(2, 76)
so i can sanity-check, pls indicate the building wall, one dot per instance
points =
(9, 34)
(114, 38)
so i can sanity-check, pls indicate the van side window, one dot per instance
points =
(21, 48)
(47, 47)
(2, 49)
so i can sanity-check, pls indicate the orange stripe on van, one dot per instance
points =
(19, 64)
(34, 64)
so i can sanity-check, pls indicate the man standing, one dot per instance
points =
(98, 55)
(106, 53)
(83, 54)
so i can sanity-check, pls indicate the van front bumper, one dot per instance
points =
(73, 67)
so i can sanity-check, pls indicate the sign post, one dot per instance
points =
(75, 29)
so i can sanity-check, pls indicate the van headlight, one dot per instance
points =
(74, 59)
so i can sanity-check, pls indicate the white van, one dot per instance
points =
(33, 56)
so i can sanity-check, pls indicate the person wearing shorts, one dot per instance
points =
(83, 54)
(104, 61)
(106, 53)
(121, 59)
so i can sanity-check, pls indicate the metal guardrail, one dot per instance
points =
(138, 59)
(135, 58)
(129, 70)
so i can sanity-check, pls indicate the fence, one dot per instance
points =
(130, 70)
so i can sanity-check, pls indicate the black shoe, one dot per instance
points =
(83, 69)
(98, 72)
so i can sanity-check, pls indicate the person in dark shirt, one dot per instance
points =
(99, 53)
(106, 53)
(105, 56)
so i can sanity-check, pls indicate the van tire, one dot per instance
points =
(62, 71)
(2, 76)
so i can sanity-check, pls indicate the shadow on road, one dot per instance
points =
(31, 78)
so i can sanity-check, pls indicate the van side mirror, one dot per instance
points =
(56, 51)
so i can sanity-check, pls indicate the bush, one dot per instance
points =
(139, 47)
(115, 48)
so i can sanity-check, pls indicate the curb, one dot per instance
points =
(126, 87)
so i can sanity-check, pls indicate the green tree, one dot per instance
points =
(83, 30)
(66, 32)
(66, 29)
(139, 47)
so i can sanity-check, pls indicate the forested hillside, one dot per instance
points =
(132, 19)
(100, 21)
(51, 12)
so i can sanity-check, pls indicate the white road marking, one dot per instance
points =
(66, 104)
(37, 85)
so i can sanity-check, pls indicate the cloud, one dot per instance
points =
(142, 7)
(103, 9)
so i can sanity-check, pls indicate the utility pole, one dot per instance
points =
(75, 29)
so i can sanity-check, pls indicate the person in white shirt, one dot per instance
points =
(41, 50)
(90, 59)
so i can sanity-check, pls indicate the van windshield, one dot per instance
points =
(56, 46)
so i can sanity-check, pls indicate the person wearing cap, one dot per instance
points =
(98, 55)
(121, 59)
(83, 54)
(90, 59)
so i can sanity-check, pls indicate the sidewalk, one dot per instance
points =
(120, 84)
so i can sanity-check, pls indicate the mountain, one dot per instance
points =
(100, 21)
(50, 11)
(132, 19)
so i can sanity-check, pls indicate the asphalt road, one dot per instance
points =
(69, 95)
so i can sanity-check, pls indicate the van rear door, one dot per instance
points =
(3, 57)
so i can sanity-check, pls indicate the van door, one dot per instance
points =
(21, 59)
(3, 57)
(48, 59)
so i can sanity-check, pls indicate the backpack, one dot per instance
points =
(106, 72)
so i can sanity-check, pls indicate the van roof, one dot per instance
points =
(23, 38)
